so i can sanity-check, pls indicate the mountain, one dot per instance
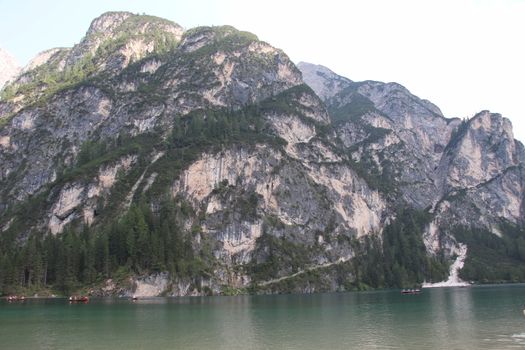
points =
(465, 173)
(435, 157)
(151, 160)
(9, 67)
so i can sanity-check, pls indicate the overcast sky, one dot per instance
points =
(463, 55)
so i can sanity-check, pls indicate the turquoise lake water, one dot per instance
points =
(484, 317)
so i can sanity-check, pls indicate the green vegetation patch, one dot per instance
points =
(493, 259)
(278, 255)
(358, 106)
(221, 38)
(400, 259)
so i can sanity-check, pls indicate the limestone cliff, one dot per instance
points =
(199, 162)
(466, 173)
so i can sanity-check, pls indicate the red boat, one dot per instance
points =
(411, 291)
(78, 299)
(16, 298)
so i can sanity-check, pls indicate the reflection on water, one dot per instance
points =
(456, 318)
(453, 321)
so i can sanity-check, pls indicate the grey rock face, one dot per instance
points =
(114, 41)
(130, 30)
(483, 165)
(466, 172)
(327, 167)
(299, 189)
(250, 72)
(39, 142)
(482, 149)
(322, 80)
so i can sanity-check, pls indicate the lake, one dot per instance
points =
(481, 317)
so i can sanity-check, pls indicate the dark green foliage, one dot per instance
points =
(248, 205)
(493, 259)
(278, 255)
(155, 33)
(405, 257)
(400, 260)
(287, 101)
(90, 151)
(93, 155)
(320, 280)
(223, 38)
(357, 107)
(208, 130)
(138, 242)
(204, 128)
(382, 180)
(47, 80)
(8, 92)
(368, 265)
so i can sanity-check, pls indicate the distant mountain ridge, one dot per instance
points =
(152, 160)
(451, 155)
(465, 173)
(9, 67)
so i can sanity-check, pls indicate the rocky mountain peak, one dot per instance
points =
(240, 68)
(107, 22)
(41, 58)
(199, 37)
(113, 41)
(493, 123)
(392, 98)
(482, 149)
(322, 80)
(9, 67)
(126, 34)
(213, 68)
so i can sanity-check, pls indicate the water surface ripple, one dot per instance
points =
(486, 317)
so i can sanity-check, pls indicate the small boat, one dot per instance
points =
(411, 291)
(78, 299)
(11, 298)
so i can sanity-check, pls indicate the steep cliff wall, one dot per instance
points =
(147, 160)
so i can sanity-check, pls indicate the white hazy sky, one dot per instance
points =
(463, 55)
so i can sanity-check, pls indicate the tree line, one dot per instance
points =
(139, 242)
(399, 259)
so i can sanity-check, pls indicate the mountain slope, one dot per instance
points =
(217, 136)
(465, 173)
(150, 160)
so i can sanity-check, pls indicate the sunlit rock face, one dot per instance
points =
(464, 172)
(269, 171)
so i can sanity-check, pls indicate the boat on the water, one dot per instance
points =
(411, 291)
(16, 298)
(78, 299)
